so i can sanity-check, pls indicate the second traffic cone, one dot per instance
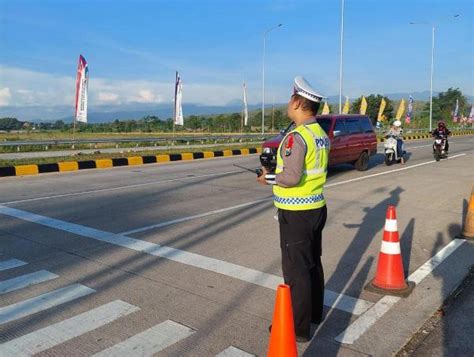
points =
(282, 337)
(468, 228)
(390, 278)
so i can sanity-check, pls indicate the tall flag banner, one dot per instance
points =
(82, 80)
(325, 108)
(246, 110)
(363, 106)
(409, 111)
(178, 101)
(380, 117)
(456, 112)
(471, 114)
(401, 109)
(345, 110)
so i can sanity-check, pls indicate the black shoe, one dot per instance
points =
(317, 321)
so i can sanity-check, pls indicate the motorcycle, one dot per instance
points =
(391, 154)
(439, 148)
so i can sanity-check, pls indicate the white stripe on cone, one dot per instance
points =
(391, 225)
(392, 248)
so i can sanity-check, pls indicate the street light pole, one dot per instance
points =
(431, 77)
(433, 28)
(263, 75)
(341, 57)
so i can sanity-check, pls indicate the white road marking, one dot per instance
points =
(48, 337)
(43, 302)
(184, 219)
(234, 352)
(11, 263)
(370, 317)
(426, 269)
(26, 280)
(118, 188)
(332, 299)
(390, 171)
(149, 342)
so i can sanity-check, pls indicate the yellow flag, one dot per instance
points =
(380, 117)
(325, 108)
(345, 110)
(401, 109)
(363, 106)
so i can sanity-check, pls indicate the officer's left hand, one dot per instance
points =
(261, 178)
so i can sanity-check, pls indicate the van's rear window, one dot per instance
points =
(325, 124)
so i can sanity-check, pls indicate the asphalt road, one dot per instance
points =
(182, 259)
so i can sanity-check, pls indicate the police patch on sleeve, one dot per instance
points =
(289, 145)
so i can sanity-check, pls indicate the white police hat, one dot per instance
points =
(304, 89)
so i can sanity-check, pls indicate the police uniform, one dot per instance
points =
(302, 160)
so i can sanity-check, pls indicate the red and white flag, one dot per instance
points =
(82, 81)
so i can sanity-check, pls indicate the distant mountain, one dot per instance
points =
(108, 113)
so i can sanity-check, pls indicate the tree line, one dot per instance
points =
(275, 118)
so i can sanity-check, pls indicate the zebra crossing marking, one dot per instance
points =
(11, 263)
(53, 335)
(26, 280)
(150, 341)
(43, 302)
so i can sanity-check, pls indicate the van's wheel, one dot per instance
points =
(362, 162)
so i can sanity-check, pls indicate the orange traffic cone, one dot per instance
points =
(390, 279)
(282, 337)
(468, 229)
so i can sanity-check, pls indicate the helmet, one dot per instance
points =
(441, 124)
(397, 123)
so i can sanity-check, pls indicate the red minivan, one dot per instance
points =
(352, 137)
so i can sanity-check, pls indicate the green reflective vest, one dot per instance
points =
(308, 193)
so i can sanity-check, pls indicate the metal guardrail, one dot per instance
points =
(128, 140)
(151, 140)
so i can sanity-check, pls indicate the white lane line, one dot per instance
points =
(149, 342)
(390, 171)
(26, 280)
(370, 317)
(43, 302)
(119, 187)
(426, 269)
(184, 219)
(48, 337)
(11, 263)
(332, 299)
(234, 352)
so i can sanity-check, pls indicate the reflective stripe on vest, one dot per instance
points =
(308, 193)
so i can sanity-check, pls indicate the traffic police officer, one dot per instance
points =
(300, 175)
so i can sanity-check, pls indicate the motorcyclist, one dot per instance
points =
(397, 132)
(443, 131)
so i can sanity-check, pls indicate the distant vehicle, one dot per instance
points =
(439, 147)
(391, 153)
(352, 137)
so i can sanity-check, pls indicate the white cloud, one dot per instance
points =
(28, 88)
(5, 96)
(145, 96)
(107, 97)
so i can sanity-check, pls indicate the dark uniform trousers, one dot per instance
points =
(300, 241)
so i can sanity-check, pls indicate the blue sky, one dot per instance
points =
(133, 48)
